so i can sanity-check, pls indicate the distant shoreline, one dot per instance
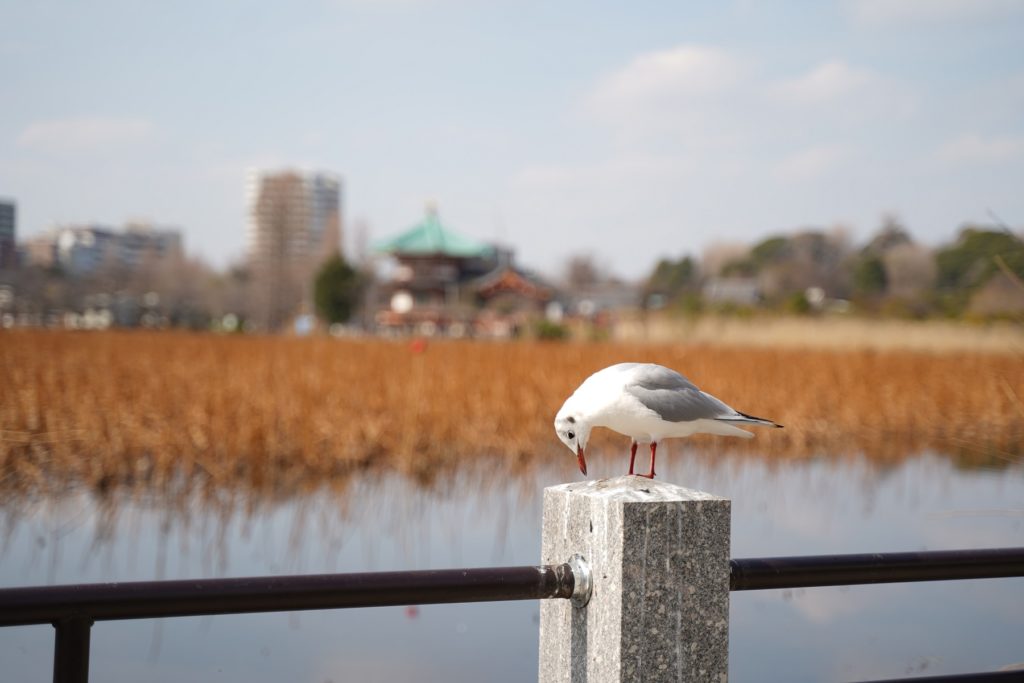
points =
(840, 333)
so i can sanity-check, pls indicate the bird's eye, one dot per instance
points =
(571, 435)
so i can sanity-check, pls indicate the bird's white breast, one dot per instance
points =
(631, 418)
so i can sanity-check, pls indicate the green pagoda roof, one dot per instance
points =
(429, 237)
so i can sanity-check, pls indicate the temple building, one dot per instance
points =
(445, 283)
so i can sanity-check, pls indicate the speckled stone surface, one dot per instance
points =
(660, 560)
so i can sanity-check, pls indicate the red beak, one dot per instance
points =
(582, 460)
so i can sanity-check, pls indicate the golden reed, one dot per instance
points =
(152, 408)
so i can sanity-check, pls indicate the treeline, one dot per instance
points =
(171, 292)
(980, 274)
(177, 291)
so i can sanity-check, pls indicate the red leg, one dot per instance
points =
(632, 456)
(654, 448)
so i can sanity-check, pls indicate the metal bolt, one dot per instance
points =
(583, 584)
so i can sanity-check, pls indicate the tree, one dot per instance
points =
(771, 250)
(784, 265)
(673, 277)
(910, 271)
(582, 271)
(972, 260)
(891, 234)
(336, 290)
(968, 265)
(766, 252)
(891, 267)
(869, 277)
(718, 255)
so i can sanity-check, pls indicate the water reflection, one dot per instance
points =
(490, 515)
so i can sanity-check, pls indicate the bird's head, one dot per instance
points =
(574, 431)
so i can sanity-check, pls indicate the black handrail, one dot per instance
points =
(980, 677)
(72, 609)
(196, 597)
(848, 570)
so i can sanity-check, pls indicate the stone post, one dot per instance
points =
(659, 560)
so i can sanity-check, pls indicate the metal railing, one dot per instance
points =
(190, 598)
(981, 677)
(72, 609)
(849, 570)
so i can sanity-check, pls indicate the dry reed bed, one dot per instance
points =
(118, 407)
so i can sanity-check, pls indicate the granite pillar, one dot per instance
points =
(659, 558)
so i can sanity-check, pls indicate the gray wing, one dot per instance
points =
(672, 396)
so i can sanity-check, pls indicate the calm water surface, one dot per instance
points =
(492, 517)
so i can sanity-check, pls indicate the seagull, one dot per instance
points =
(647, 403)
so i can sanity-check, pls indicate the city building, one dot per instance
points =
(8, 233)
(738, 291)
(88, 249)
(293, 214)
(85, 249)
(140, 243)
(294, 226)
(40, 250)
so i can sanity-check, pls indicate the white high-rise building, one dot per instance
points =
(294, 215)
(294, 226)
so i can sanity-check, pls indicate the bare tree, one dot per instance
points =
(582, 271)
(719, 254)
(910, 270)
(811, 258)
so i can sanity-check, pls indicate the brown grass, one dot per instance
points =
(164, 408)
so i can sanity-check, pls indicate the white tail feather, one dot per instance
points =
(721, 428)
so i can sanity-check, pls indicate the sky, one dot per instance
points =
(625, 131)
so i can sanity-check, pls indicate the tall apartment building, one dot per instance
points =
(294, 226)
(8, 227)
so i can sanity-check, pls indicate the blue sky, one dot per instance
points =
(629, 131)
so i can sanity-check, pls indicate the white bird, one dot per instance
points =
(647, 403)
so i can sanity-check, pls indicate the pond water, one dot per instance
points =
(488, 516)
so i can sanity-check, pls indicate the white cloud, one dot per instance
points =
(972, 148)
(85, 134)
(812, 163)
(677, 90)
(917, 11)
(682, 70)
(706, 98)
(826, 82)
(844, 93)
